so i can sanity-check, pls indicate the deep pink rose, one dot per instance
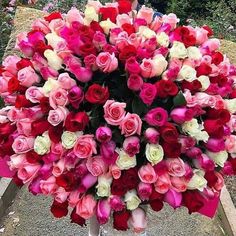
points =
(75, 96)
(131, 145)
(148, 93)
(173, 198)
(135, 82)
(116, 203)
(163, 183)
(90, 62)
(144, 191)
(107, 151)
(132, 66)
(103, 134)
(103, 211)
(181, 115)
(87, 182)
(99, 40)
(156, 117)
(152, 135)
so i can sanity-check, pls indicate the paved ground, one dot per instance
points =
(30, 216)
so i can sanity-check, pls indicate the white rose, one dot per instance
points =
(201, 136)
(191, 126)
(218, 157)
(187, 73)
(154, 153)
(145, 32)
(54, 61)
(54, 40)
(197, 181)
(163, 39)
(160, 63)
(178, 50)
(104, 186)
(68, 139)
(90, 15)
(42, 144)
(50, 85)
(124, 161)
(107, 25)
(231, 105)
(205, 82)
(194, 53)
(132, 200)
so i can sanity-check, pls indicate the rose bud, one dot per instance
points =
(194, 152)
(135, 82)
(181, 114)
(138, 220)
(75, 96)
(116, 203)
(103, 211)
(227, 169)
(131, 145)
(204, 162)
(215, 145)
(103, 134)
(108, 153)
(173, 198)
(144, 191)
(152, 135)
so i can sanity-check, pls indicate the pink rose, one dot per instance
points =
(131, 125)
(103, 211)
(58, 167)
(24, 126)
(173, 198)
(3, 85)
(170, 19)
(90, 62)
(132, 66)
(148, 93)
(115, 171)
(58, 98)
(87, 182)
(74, 15)
(17, 161)
(230, 145)
(107, 62)
(116, 203)
(27, 76)
(123, 19)
(148, 68)
(152, 135)
(55, 117)
(201, 35)
(108, 153)
(138, 220)
(211, 45)
(99, 40)
(28, 171)
(103, 134)
(147, 174)
(9, 64)
(156, 23)
(114, 35)
(57, 25)
(204, 162)
(135, 82)
(61, 195)
(181, 115)
(74, 198)
(96, 165)
(34, 94)
(41, 25)
(114, 112)
(131, 145)
(205, 100)
(163, 183)
(144, 191)
(23, 144)
(139, 22)
(179, 184)
(219, 183)
(146, 13)
(156, 117)
(187, 142)
(175, 167)
(86, 206)
(85, 146)
(65, 81)
(48, 186)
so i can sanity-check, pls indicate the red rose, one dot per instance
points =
(203, 69)
(67, 181)
(1, 70)
(120, 220)
(172, 150)
(117, 187)
(76, 121)
(217, 58)
(38, 127)
(23, 63)
(130, 179)
(97, 94)
(211, 178)
(40, 47)
(189, 40)
(127, 52)
(214, 128)
(59, 210)
(19, 183)
(55, 133)
(169, 133)
(166, 88)
(21, 101)
(13, 85)
(128, 28)
(194, 86)
(45, 105)
(222, 115)
(33, 157)
(6, 129)
(156, 200)
(94, 25)
(193, 200)
(125, 6)
(6, 147)
(85, 32)
(109, 12)
(222, 80)
(209, 29)
(87, 49)
(53, 16)
(77, 219)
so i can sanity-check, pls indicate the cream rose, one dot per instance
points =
(124, 161)
(50, 85)
(90, 15)
(154, 153)
(163, 39)
(54, 61)
(42, 144)
(178, 50)
(146, 32)
(187, 73)
(205, 82)
(197, 181)
(54, 40)
(160, 63)
(132, 200)
(107, 25)
(104, 186)
(218, 157)
(231, 105)
(68, 139)
(194, 53)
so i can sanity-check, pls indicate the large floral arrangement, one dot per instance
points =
(114, 109)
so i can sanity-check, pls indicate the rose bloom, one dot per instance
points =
(97, 94)
(114, 112)
(176, 167)
(55, 117)
(58, 98)
(131, 125)
(148, 93)
(27, 76)
(107, 62)
(156, 117)
(23, 144)
(163, 183)
(96, 165)
(147, 174)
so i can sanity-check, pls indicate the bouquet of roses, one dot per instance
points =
(112, 109)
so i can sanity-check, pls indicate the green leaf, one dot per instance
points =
(138, 106)
(1, 103)
(179, 100)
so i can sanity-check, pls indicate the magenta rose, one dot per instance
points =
(132, 66)
(135, 82)
(131, 145)
(103, 134)
(156, 117)
(148, 93)
(75, 96)
(152, 135)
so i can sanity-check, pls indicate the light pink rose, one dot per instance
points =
(179, 184)
(114, 35)
(57, 25)
(156, 24)
(114, 112)
(131, 145)
(173, 198)
(103, 211)
(86, 206)
(58, 98)
(146, 13)
(163, 183)
(175, 167)
(85, 146)
(144, 191)
(201, 35)
(115, 171)
(230, 144)
(9, 64)
(90, 62)
(152, 135)
(148, 68)
(232, 123)
(170, 19)
(34, 94)
(138, 220)
(107, 62)
(191, 100)
(41, 25)
(147, 174)
(74, 198)
(131, 125)
(123, 19)
(96, 165)
(48, 186)
(116, 203)
(17, 161)
(181, 114)
(58, 168)
(74, 15)
(211, 45)
(65, 81)
(205, 100)
(24, 126)
(3, 84)
(61, 195)
(23, 144)
(27, 76)
(55, 117)
(28, 171)
(135, 82)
